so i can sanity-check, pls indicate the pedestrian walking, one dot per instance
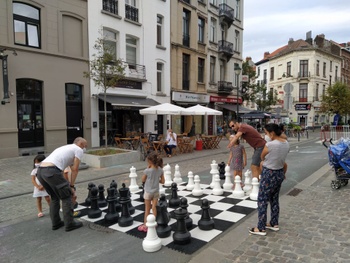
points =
(50, 175)
(273, 173)
(39, 191)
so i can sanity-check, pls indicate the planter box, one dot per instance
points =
(111, 160)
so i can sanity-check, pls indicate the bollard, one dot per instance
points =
(307, 134)
(298, 136)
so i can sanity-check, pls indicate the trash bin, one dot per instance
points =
(199, 145)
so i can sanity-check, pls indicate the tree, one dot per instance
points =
(336, 99)
(105, 71)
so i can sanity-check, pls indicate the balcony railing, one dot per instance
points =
(110, 6)
(185, 84)
(225, 48)
(224, 87)
(135, 71)
(186, 40)
(304, 74)
(226, 14)
(132, 13)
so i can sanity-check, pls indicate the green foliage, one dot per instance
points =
(336, 99)
(105, 71)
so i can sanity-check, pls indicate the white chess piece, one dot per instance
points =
(247, 181)
(228, 184)
(167, 175)
(197, 191)
(161, 189)
(217, 190)
(133, 185)
(255, 190)
(177, 175)
(214, 170)
(152, 242)
(190, 183)
(238, 192)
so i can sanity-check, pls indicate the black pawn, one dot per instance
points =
(142, 192)
(101, 196)
(206, 222)
(94, 211)
(184, 205)
(174, 201)
(162, 219)
(112, 216)
(163, 201)
(125, 218)
(88, 198)
(181, 235)
(221, 169)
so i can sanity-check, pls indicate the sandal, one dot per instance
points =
(273, 228)
(40, 214)
(142, 228)
(256, 231)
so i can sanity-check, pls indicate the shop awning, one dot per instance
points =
(128, 101)
(233, 107)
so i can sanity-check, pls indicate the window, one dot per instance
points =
(185, 72)
(160, 67)
(324, 90)
(26, 23)
(304, 68)
(159, 30)
(212, 30)
(236, 41)
(213, 2)
(317, 68)
(303, 92)
(212, 69)
(258, 71)
(265, 77)
(131, 12)
(201, 63)
(131, 2)
(316, 92)
(186, 27)
(238, 9)
(330, 66)
(272, 73)
(336, 73)
(289, 69)
(201, 24)
(324, 69)
(131, 47)
(110, 42)
(110, 6)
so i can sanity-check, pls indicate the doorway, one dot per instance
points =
(74, 112)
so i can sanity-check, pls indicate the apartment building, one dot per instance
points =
(300, 72)
(44, 52)
(138, 31)
(206, 45)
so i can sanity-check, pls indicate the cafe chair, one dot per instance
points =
(118, 142)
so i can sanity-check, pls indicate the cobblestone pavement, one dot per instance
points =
(315, 224)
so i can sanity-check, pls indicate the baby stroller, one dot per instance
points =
(339, 159)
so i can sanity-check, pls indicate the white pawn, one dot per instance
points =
(238, 192)
(167, 175)
(177, 175)
(161, 189)
(247, 181)
(133, 185)
(190, 183)
(255, 190)
(214, 170)
(197, 191)
(228, 184)
(152, 242)
(217, 190)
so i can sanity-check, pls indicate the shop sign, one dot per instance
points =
(190, 97)
(225, 99)
(306, 106)
(128, 84)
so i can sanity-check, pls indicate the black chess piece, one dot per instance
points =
(221, 169)
(94, 211)
(114, 185)
(101, 196)
(162, 219)
(88, 198)
(206, 222)
(130, 206)
(112, 216)
(142, 192)
(174, 201)
(184, 205)
(181, 235)
(163, 201)
(125, 218)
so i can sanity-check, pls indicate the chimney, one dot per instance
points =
(266, 54)
(290, 41)
(309, 37)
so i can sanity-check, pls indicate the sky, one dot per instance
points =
(269, 24)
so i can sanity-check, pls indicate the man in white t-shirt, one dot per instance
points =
(171, 142)
(50, 175)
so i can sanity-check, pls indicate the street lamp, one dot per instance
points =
(237, 72)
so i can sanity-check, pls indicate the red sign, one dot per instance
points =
(225, 99)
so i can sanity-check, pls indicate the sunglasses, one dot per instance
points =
(232, 126)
